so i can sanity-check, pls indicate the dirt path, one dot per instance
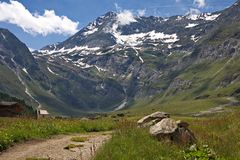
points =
(53, 149)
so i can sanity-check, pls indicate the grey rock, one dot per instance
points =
(164, 127)
(176, 131)
(152, 119)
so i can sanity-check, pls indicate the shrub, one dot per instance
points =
(202, 153)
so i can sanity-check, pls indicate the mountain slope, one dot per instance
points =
(37, 83)
(212, 78)
(111, 64)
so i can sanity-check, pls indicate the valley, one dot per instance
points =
(122, 67)
(106, 63)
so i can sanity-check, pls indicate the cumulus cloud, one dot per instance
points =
(118, 8)
(141, 12)
(200, 3)
(125, 17)
(15, 13)
(193, 13)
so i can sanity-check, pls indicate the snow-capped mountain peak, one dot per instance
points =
(114, 32)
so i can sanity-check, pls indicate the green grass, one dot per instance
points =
(221, 133)
(13, 130)
(130, 142)
(178, 107)
(79, 139)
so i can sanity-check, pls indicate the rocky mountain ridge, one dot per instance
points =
(111, 64)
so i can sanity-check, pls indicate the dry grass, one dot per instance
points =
(79, 139)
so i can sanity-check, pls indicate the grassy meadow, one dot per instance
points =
(221, 135)
(14, 130)
(219, 132)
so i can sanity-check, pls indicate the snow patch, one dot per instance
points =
(204, 16)
(178, 46)
(179, 18)
(90, 32)
(210, 17)
(194, 38)
(138, 38)
(4, 37)
(166, 19)
(25, 70)
(137, 54)
(52, 71)
(191, 25)
(62, 51)
(99, 69)
(171, 53)
(91, 28)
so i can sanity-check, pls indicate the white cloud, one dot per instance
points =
(118, 8)
(125, 17)
(141, 12)
(200, 3)
(194, 11)
(15, 13)
(193, 14)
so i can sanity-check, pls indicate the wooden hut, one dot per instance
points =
(41, 113)
(10, 109)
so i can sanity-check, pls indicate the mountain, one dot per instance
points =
(116, 62)
(26, 78)
(15, 59)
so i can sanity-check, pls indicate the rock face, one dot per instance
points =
(163, 127)
(152, 119)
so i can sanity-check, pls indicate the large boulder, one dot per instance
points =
(152, 119)
(164, 127)
(176, 131)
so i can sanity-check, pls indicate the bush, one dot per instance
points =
(202, 153)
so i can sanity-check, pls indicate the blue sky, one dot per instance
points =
(49, 27)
